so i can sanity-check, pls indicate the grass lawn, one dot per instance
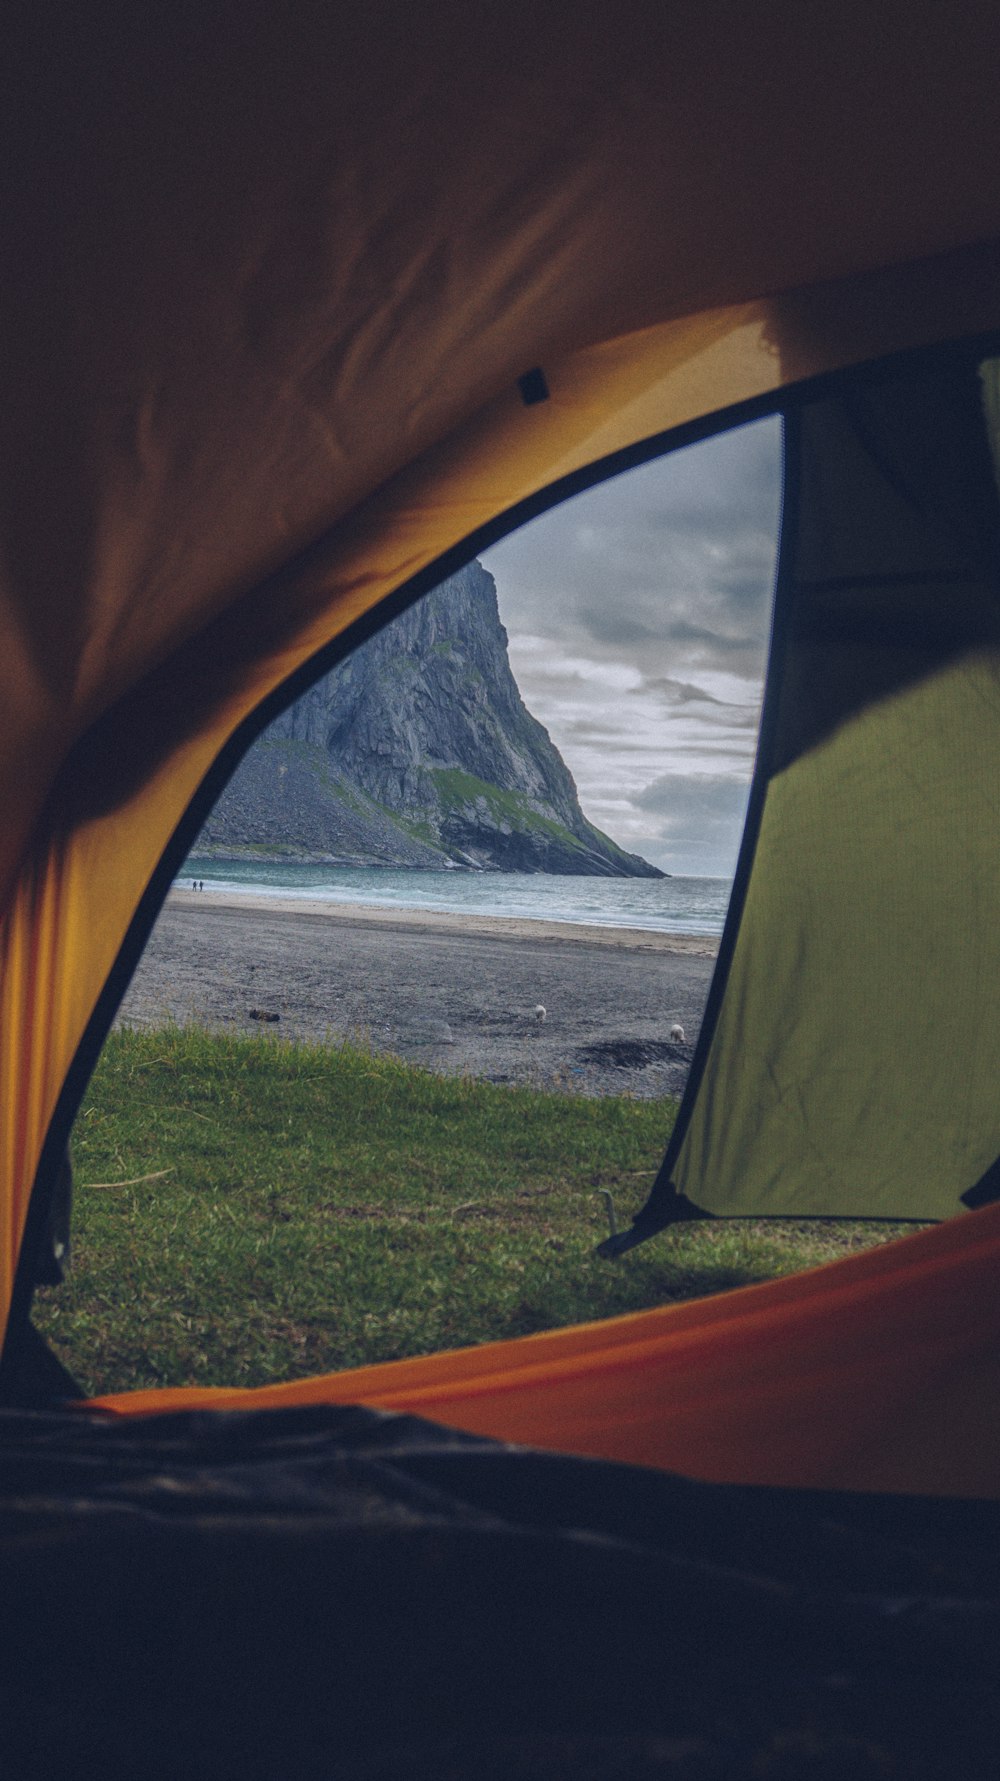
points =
(248, 1210)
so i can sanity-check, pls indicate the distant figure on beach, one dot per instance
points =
(539, 1013)
(677, 1033)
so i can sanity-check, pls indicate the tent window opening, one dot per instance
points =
(427, 991)
(387, 1075)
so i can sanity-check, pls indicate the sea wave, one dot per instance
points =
(665, 905)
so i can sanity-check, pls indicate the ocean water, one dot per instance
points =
(667, 905)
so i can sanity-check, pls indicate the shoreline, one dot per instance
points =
(440, 921)
(552, 1005)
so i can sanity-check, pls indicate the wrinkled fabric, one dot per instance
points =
(269, 293)
(320, 1591)
(873, 1373)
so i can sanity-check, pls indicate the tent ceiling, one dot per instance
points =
(270, 284)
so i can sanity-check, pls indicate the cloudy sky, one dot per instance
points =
(638, 616)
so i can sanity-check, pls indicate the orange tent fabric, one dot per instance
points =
(873, 1373)
(271, 286)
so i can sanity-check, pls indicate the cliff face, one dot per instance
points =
(417, 751)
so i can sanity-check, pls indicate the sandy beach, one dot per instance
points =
(455, 993)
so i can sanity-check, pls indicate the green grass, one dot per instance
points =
(456, 789)
(311, 1208)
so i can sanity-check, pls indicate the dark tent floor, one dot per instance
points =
(338, 1592)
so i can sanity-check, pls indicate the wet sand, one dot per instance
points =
(454, 993)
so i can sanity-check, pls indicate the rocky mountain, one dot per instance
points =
(416, 751)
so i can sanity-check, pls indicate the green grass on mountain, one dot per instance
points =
(457, 789)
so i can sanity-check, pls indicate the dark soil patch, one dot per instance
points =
(631, 1054)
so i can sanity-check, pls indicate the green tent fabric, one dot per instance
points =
(851, 1054)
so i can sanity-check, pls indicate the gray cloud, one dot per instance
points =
(681, 630)
(682, 691)
(698, 820)
(638, 616)
(681, 801)
(616, 627)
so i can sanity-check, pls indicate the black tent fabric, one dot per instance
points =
(343, 1593)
